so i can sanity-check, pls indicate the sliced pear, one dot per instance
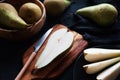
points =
(98, 66)
(60, 41)
(97, 54)
(110, 73)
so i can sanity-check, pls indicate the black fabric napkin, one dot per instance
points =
(97, 36)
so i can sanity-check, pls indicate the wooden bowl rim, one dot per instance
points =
(42, 17)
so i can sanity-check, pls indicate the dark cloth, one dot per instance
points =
(97, 36)
(109, 37)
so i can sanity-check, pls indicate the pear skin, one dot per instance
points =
(30, 12)
(8, 6)
(56, 7)
(103, 14)
(9, 17)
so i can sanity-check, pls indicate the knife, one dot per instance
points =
(37, 46)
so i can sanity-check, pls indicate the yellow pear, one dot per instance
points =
(30, 12)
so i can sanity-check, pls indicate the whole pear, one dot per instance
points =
(103, 14)
(9, 17)
(30, 12)
(56, 7)
(9, 7)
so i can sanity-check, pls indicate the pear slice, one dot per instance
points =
(110, 73)
(97, 54)
(98, 66)
(59, 42)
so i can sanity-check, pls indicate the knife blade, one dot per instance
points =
(40, 42)
(37, 46)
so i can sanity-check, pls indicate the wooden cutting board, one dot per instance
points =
(58, 65)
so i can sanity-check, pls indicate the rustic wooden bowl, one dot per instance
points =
(22, 35)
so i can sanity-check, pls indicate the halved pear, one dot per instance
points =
(60, 41)
(110, 73)
(98, 66)
(97, 54)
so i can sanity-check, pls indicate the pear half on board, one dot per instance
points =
(59, 42)
(69, 50)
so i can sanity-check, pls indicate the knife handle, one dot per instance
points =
(25, 66)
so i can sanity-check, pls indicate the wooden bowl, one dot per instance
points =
(22, 35)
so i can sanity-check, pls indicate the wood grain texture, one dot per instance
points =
(59, 64)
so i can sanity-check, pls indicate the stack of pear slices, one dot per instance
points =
(104, 62)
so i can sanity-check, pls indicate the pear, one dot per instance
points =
(93, 68)
(30, 12)
(103, 14)
(9, 7)
(110, 73)
(58, 43)
(56, 7)
(10, 18)
(97, 54)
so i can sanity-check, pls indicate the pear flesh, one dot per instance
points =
(58, 43)
(9, 17)
(98, 66)
(97, 54)
(110, 73)
(56, 7)
(103, 14)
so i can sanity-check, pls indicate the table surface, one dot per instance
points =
(12, 52)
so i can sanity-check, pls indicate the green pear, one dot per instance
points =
(56, 7)
(9, 17)
(103, 14)
(30, 12)
(58, 43)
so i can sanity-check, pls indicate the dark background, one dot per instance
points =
(11, 52)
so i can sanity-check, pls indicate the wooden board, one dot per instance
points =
(58, 65)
